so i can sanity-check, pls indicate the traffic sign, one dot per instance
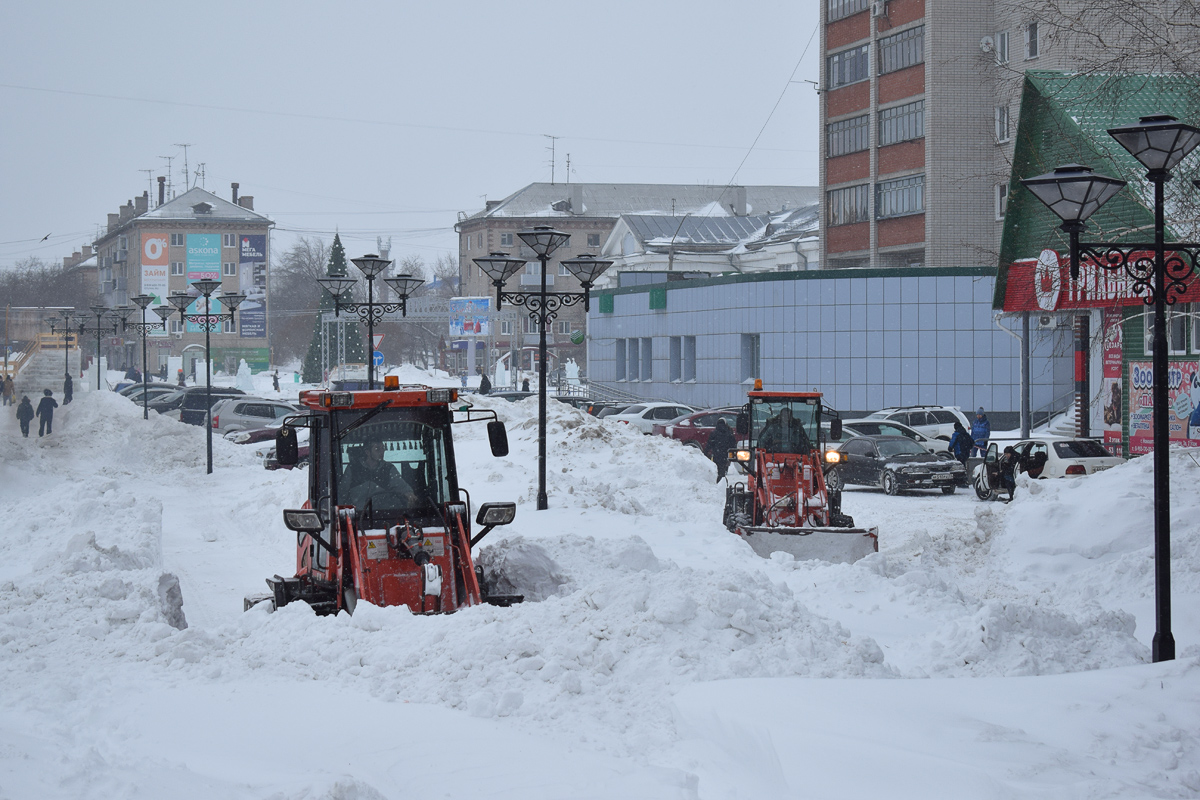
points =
(377, 359)
(378, 337)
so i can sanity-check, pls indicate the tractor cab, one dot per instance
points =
(385, 520)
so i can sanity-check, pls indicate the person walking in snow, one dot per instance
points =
(1008, 471)
(485, 385)
(275, 380)
(25, 415)
(719, 444)
(45, 412)
(960, 444)
(6, 390)
(981, 431)
(525, 385)
(68, 390)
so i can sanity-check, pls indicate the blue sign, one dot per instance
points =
(377, 358)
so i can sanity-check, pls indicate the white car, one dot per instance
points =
(936, 422)
(643, 415)
(1064, 458)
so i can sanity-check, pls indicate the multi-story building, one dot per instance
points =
(163, 250)
(919, 110)
(588, 212)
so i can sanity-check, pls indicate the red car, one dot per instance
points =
(694, 429)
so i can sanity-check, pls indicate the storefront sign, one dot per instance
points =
(252, 267)
(1111, 388)
(1044, 284)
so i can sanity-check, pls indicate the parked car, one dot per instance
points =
(937, 422)
(153, 392)
(270, 459)
(511, 395)
(190, 404)
(873, 427)
(607, 409)
(134, 388)
(243, 413)
(694, 429)
(1064, 458)
(895, 464)
(643, 415)
(575, 400)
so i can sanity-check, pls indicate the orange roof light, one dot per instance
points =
(758, 384)
(391, 383)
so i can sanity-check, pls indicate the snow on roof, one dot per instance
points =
(191, 206)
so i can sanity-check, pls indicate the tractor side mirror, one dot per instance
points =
(286, 447)
(497, 438)
(835, 430)
(742, 426)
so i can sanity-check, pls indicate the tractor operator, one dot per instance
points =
(783, 434)
(371, 476)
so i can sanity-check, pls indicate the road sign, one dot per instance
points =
(377, 359)
(378, 337)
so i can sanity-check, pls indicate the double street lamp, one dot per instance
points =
(143, 327)
(106, 322)
(210, 322)
(371, 312)
(1159, 271)
(65, 322)
(543, 308)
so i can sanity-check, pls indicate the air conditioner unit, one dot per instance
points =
(1048, 321)
(879, 8)
(121, 256)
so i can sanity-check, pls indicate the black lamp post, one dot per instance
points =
(102, 326)
(1072, 192)
(371, 312)
(543, 308)
(209, 322)
(143, 327)
(65, 322)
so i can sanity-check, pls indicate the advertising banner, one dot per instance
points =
(1183, 405)
(252, 314)
(468, 316)
(203, 263)
(1044, 284)
(155, 275)
(1111, 388)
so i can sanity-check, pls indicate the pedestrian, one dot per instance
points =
(275, 380)
(6, 390)
(525, 385)
(464, 379)
(1008, 471)
(981, 431)
(182, 380)
(719, 444)
(163, 373)
(960, 444)
(485, 385)
(45, 412)
(68, 390)
(25, 415)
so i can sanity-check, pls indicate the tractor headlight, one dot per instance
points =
(496, 513)
(303, 520)
(742, 456)
(833, 457)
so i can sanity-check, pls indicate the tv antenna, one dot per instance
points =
(185, 164)
(200, 174)
(553, 141)
(170, 185)
(149, 179)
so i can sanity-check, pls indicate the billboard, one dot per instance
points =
(469, 316)
(1183, 403)
(155, 276)
(1044, 284)
(203, 263)
(252, 314)
(1111, 388)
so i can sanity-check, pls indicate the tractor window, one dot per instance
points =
(784, 426)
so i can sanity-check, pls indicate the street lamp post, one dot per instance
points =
(65, 321)
(143, 327)
(1074, 193)
(81, 319)
(543, 308)
(371, 312)
(209, 322)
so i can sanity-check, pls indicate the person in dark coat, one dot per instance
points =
(981, 431)
(960, 444)
(7, 390)
(182, 380)
(25, 415)
(485, 385)
(275, 380)
(719, 444)
(45, 412)
(68, 389)
(525, 385)
(1008, 471)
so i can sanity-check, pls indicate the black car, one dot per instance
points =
(896, 464)
(190, 405)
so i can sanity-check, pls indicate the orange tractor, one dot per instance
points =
(784, 505)
(385, 521)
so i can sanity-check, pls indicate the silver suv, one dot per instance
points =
(249, 413)
(934, 421)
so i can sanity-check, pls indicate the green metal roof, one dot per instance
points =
(1065, 119)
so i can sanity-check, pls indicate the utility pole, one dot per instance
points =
(553, 141)
(568, 167)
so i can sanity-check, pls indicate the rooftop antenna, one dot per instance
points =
(170, 186)
(200, 174)
(568, 167)
(553, 141)
(185, 164)
(149, 179)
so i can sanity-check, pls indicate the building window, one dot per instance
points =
(229, 326)
(122, 242)
(1002, 124)
(531, 325)
(840, 9)
(177, 268)
(900, 197)
(564, 327)
(480, 242)
(1031, 40)
(176, 240)
(902, 50)
(848, 66)
(647, 360)
(750, 356)
(562, 269)
(689, 358)
(506, 240)
(1002, 47)
(632, 370)
(676, 348)
(533, 267)
(848, 135)
(467, 243)
(505, 327)
(229, 269)
(229, 240)
(1179, 328)
(850, 205)
(176, 326)
(619, 359)
(902, 123)
(1001, 200)
(593, 240)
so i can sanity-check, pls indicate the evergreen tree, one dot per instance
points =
(354, 342)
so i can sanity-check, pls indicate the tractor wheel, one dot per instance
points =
(948, 490)
(834, 481)
(889, 483)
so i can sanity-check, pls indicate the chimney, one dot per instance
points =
(234, 186)
(113, 221)
(127, 210)
(739, 201)
(488, 205)
(162, 189)
(87, 251)
(577, 198)
(247, 202)
(141, 203)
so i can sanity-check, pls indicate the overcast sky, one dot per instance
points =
(389, 118)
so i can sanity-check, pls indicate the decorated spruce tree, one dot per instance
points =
(351, 332)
